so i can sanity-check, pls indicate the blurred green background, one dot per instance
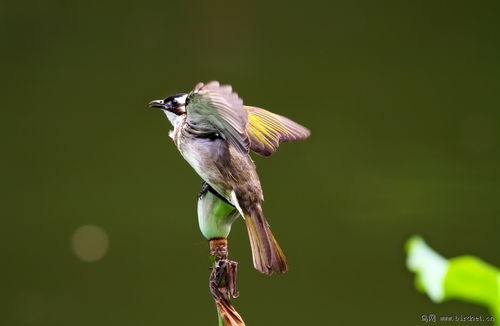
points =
(403, 102)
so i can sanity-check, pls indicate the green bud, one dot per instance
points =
(215, 215)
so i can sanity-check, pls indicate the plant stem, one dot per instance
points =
(219, 317)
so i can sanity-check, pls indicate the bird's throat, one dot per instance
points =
(172, 117)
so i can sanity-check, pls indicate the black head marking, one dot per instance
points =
(173, 98)
(172, 104)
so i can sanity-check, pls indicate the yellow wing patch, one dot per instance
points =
(267, 130)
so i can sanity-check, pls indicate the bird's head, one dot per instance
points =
(173, 106)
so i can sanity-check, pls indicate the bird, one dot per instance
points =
(215, 133)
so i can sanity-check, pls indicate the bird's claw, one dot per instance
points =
(204, 188)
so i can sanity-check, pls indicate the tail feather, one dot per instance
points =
(267, 254)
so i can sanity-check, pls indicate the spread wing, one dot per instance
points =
(267, 130)
(216, 108)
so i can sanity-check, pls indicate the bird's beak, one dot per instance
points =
(157, 104)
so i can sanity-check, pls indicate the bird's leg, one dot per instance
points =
(222, 282)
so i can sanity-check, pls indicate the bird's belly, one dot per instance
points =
(200, 163)
(202, 154)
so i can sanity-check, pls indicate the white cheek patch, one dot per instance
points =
(182, 103)
(181, 99)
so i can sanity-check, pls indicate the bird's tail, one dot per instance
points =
(267, 254)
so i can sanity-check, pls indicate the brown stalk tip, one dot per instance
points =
(218, 248)
(229, 315)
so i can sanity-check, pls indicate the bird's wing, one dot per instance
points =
(216, 108)
(267, 130)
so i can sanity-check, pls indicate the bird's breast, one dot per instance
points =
(203, 154)
(216, 162)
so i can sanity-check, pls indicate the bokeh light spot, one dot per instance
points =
(90, 243)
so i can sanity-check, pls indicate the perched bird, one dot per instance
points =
(215, 132)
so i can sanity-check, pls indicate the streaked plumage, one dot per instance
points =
(214, 132)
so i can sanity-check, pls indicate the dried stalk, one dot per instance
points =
(222, 283)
